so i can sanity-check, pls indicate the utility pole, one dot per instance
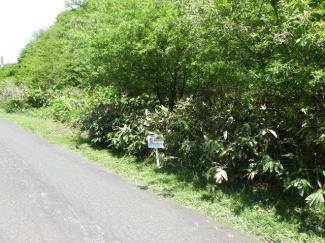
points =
(1, 64)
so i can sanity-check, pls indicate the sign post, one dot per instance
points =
(156, 142)
(157, 158)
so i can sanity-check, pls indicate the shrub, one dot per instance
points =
(67, 105)
(65, 109)
(223, 140)
(36, 98)
(11, 104)
(8, 90)
(119, 123)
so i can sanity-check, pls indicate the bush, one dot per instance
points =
(65, 109)
(223, 140)
(11, 104)
(119, 123)
(36, 98)
(64, 105)
(8, 90)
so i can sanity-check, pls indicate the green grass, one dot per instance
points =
(271, 216)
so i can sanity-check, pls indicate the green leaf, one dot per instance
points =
(302, 186)
(316, 199)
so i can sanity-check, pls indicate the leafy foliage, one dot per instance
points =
(11, 105)
(36, 98)
(236, 87)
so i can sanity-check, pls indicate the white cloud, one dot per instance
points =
(19, 19)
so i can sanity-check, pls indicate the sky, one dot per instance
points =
(20, 19)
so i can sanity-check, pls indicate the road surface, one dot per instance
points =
(49, 194)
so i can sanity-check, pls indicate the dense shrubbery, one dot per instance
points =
(244, 142)
(119, 123)
(235, 87)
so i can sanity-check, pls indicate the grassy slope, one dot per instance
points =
(255, 212)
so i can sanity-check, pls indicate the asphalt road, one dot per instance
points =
(49, 194)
